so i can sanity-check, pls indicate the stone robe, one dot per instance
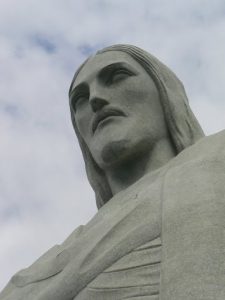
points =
(162, 238)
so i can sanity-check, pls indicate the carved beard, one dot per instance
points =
(114, 151)
(124, 151)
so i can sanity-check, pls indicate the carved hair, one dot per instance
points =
(182, 125)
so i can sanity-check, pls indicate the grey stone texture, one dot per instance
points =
(159, 233)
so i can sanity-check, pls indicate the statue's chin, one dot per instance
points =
(114, 152)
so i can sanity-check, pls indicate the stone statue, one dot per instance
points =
(159, 232)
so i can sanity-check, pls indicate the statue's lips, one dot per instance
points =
(102, 115)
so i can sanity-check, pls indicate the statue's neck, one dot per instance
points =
(128, 172)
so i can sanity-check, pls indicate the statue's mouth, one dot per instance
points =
(104, 114)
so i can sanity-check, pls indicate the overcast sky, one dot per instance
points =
(44, 193)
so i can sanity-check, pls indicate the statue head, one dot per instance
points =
(170, 106)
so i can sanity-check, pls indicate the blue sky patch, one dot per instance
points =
(87, 50)
(11, 110)
(45, 43)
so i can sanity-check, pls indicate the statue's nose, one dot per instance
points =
(97, 103)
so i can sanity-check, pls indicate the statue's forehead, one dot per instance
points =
(99, 61)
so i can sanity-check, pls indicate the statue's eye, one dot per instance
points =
(78, 101)
(118, 75)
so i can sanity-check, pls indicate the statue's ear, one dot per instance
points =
(50, 264)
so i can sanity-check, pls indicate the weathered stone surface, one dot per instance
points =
(159, 183)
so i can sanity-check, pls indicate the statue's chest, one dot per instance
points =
(111, 258)
(135, 275)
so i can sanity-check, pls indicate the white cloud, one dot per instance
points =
(44, 193)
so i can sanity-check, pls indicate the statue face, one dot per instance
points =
(117, 108)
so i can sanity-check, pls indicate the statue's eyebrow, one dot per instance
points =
(79, 87)
(114, 66)
(102, 72)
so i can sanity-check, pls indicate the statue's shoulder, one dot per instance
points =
(208, 148)
(48, 265)
(195, 178)
(212, 146)
(218, 139)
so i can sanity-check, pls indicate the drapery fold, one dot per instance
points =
(183, 203)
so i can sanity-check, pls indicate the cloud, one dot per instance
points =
(44, 43)
(44, 192)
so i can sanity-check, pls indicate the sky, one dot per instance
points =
(44, 192)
